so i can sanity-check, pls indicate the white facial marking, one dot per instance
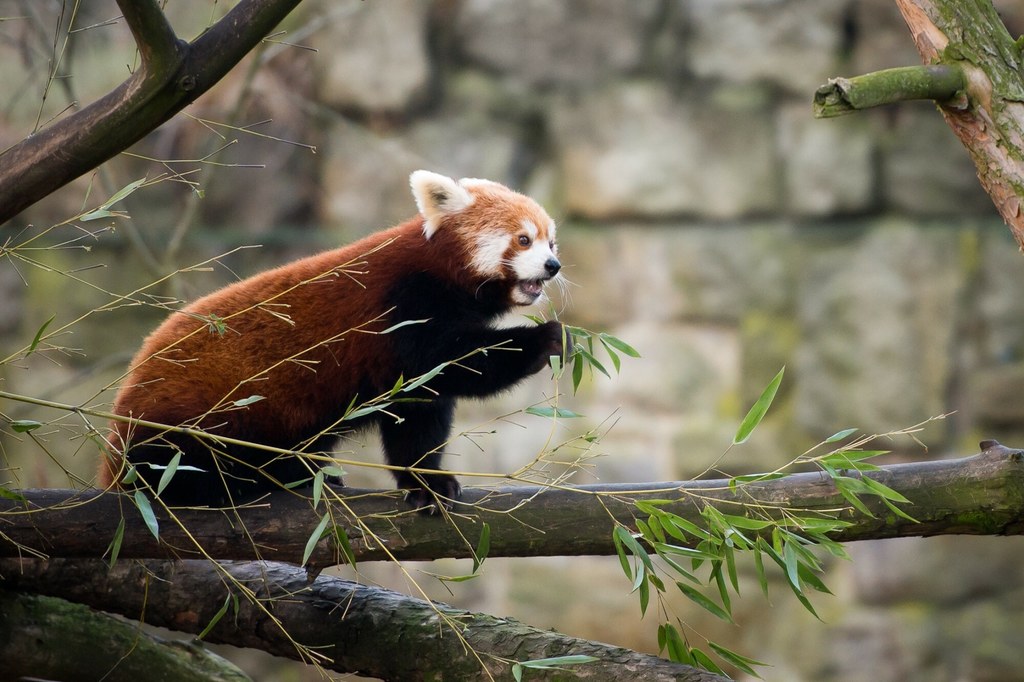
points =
(489, 254)
(531, 229)
(529, 264)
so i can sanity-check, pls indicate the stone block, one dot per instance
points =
(637, 149)
(925, 169)
(556, 43)
(828, 164)
(373, 56)
(877, 317)
(748, 41)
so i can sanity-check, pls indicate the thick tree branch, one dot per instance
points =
(47, 638)
(971, 36)
(839, 96)
(173, 75)
(345, 625)
(981, 495)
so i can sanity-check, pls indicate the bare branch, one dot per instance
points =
(154, 36)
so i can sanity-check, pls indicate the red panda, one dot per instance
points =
(318, 336)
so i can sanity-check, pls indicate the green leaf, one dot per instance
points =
(131, 475)
(847, 488)
(363, 411)
(114, 548)
(483, 546)
(677, 649)
(315, 537)
(39, 336)
(146, 509)
(248, 401)
(425, 378)
(593, 362)
(341, 537)
(732, 658)
(557, 662)
(216, 617)
(333, 470)
(318, 487)
(704, 661)
(577, 372)
(8, 494)
(104, 210)
(762, 577)
(619, 345)
(884, 491)
(703, 601)
(758, 410)
(549, 412)
(169, 472)
(754, 478)
(839, 435)
(620, 549)
(645, 596)
(24, 425)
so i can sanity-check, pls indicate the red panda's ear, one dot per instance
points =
(436, 197)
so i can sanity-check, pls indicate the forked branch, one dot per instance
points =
(173, 74)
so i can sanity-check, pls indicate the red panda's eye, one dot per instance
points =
(524, 240)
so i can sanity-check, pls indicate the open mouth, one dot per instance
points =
(531, 288)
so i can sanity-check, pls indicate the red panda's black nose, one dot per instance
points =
(552, 266)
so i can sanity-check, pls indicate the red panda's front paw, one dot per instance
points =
(443, 490)
(555, 339)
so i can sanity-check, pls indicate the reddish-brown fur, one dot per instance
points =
(302, 336)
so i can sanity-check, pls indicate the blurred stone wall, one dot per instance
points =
(706, 218)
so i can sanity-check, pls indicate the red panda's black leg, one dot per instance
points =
(514, 354)
(416, 441)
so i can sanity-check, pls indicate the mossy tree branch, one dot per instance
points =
(969, 36)
(939, 82)
(173, 74)
(346, 626)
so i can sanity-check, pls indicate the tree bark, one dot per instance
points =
(344, 626)
(969, 34)
(979, 495)
(48, 638)
(173, 74)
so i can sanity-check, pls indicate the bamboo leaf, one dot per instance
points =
(221, 612)
(419, 381)
(346, 546)
(703, 601)
(549, 411)
(24, 425)
(839, 435)
(732, 658)
(39, 336)
(315, 537)
(758, 410)
(114, 548)
(704, 661)
(146, 509)
(619, 345)
(169, 471)
(483, 546)
(248, 401)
